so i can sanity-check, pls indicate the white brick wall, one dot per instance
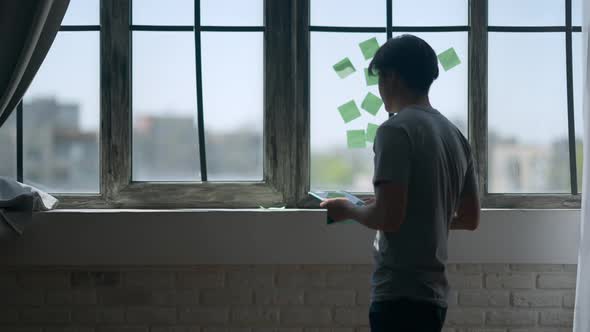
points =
(291, 298)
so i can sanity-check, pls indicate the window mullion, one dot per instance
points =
(286, 90)
(199, 84)
(302, 101)
(389, 18)
(115, 86)
(570, 98)
(478, 88)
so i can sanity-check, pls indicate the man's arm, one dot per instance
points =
(388, 211)
(392, 173)
(468, 214)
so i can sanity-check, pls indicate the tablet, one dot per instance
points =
(324, 195)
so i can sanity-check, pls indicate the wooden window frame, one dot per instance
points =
(478, 113)
(286, 171)
(284, 106)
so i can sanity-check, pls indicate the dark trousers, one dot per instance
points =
(406, 316)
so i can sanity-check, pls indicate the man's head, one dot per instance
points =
(406, 66)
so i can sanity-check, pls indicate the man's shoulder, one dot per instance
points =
(403, 120)
(394, 124)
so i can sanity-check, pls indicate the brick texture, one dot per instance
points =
(537, 299)
(306, 316)
(515, 280)
(564, 280)
(467, 280)
(511, 318)
(279, 296)
(484, 298)
(357, 316)
(255, 315)
(556, 318)
(204, 315)
(339, 297)
(282, 298)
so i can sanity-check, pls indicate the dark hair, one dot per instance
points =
(409, 57)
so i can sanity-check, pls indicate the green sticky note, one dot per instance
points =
(371, 132)
(344, 68)
(370, 78)
(369, 47)
(371, 103)
(349, 111)
(356, 139)
(449, 59)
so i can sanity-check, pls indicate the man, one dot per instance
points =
(425, 184)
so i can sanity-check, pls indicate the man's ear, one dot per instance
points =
(390, 81)
(394, 82)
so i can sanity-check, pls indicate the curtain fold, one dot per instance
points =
(27, 30)
(582, 303)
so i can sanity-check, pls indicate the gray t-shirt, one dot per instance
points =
(421, 148)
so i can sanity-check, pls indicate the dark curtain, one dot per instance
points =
(27, 30)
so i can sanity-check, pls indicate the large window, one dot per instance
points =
(197, 100)
(515, 92)
(531, 90)
(248, 103)
(534, 105)
(338, 33)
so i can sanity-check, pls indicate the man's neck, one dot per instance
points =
(420, 102)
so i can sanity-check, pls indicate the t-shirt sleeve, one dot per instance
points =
(392, 156)
(470, 186)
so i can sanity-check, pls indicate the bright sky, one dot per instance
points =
(527, 95)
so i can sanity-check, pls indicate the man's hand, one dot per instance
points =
(386, 213)
(339, 209)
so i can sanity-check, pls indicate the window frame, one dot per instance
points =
(478, 111)
(286, 136)
(282, 170)
(478, 29)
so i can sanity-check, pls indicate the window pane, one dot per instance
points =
(232, 12)
(333, 165)
(8, 147)
(367, 13)
(82, 12)
(526, 12)
(232, 103)
(578, 103)
(528, 138)
(577, 12)
(430, 12)
(448, 93)
(61, 117)
(165, 136)
(158, 12)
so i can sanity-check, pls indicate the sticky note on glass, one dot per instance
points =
(344, 68)
(370, 78)
(371, 103)
(349, 111)
(371, 132)
(449, 59)
(369, 47)
(356, 139)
